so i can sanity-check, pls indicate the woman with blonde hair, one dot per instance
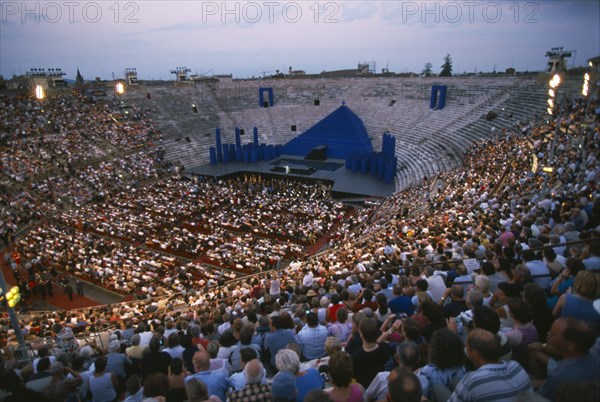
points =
(579, 304)
(332, 345)
(307, 380)
(482, 284)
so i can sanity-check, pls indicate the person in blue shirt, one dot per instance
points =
(572, 339)
(311, 338)
(402, 303)
(278, 338)
(288, 361)
(216, 381)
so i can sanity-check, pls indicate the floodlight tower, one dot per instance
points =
(557, 59)
(181, 73)
(131, 76)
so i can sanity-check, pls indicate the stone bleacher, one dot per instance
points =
(428, 141)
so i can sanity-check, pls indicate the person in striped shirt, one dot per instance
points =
(493, 380)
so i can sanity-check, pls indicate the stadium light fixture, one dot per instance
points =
(552, 92)
(13, 296)
(586, 83)
(557, 79)
(39, 92)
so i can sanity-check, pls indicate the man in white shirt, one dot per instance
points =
(226, 324)
(170, 328)
(308, 279)
(356, 286)
(275, 286)
(539, 271)
(145, 335)
(437, 285)
(174, 347)
(43, 352)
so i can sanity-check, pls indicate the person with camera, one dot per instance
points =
(391, 328)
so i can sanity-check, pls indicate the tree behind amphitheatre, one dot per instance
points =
(447, 66)
(427, 72)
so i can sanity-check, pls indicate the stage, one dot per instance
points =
(345, 183)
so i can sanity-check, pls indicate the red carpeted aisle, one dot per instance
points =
(62, 301)
(59, 299)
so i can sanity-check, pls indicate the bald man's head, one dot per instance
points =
(253, 371)
(201, 361)
(485, 344)
(404, 386)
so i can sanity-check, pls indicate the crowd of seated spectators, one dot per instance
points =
(65, 151)
(480, 284)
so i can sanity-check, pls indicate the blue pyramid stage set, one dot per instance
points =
(336, 149)
(342, 133)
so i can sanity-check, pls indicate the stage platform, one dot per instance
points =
(345, 183)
